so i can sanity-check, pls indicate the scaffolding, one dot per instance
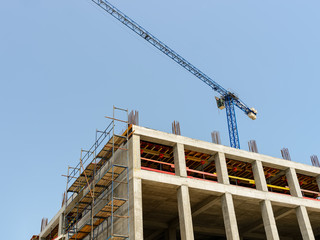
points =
(98, 187)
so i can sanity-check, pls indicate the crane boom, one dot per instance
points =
(229, 98)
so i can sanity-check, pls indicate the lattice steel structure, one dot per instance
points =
(228, 98)
(98, 187)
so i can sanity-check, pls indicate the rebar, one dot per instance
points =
(315, 161)
(176, 128)
(215, 135)
(285, 154)
(253, 146)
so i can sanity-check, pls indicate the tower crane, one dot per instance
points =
(227, 99)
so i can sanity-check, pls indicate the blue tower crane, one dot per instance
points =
(227, 99)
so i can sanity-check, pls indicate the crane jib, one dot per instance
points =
(168, 51)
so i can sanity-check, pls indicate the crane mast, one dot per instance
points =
(227, 99)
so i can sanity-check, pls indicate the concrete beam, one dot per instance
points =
(282, 213)
(155, 225)
(259, 224)
(269, 222)
(293, 182)
(185, 217)
(154, 235)
(221, 168)
(304, 223)
(204, 205)
(229, 217)
(198, 209)
(259, 176)
(179, 160)
(210, 230)
(214, 188)
(221, 232)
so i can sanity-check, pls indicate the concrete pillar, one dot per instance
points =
(259, 177)
(293, 182)
(185, 217)
(61, 224)
(269, 221)
(135, 190)
(229, 217)
(134, 154)
(136, 221)
(304, 223)
(221, 168)
(172, 233)
(179, 160)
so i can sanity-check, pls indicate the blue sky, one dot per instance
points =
(64, 64)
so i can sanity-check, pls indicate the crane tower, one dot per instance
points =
(227, 99)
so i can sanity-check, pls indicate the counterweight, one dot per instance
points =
(229, 99)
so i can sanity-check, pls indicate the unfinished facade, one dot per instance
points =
(147, 184)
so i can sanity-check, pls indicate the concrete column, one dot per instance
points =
(61, 224)
(134, 154)
(221, 168)
(185, 217)
(136, 221)
(293, 182)
(304, 223)
(179, 160)
(259, 177)
(269, 221)
(229, 217)
(135, 190)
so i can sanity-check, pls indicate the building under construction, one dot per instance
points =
(138, 183)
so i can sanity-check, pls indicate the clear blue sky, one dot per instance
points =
(64, 64)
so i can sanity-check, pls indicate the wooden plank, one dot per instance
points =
(105, 212)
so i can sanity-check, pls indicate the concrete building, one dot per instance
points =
(147, 184)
